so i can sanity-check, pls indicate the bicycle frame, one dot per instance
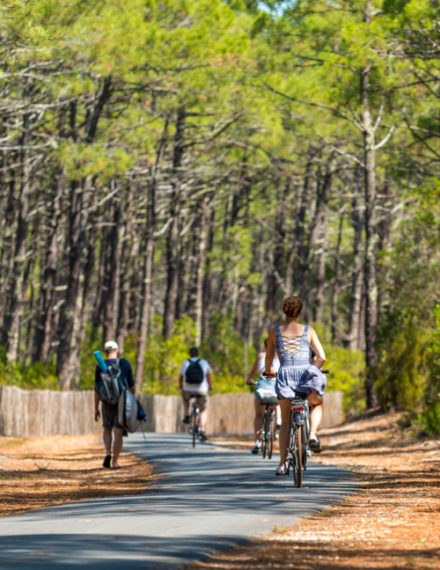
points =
(194, 423)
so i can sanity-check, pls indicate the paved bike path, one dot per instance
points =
(207, 499)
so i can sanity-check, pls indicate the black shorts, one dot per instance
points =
(110, 416)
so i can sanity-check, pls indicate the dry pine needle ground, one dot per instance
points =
(43, 471)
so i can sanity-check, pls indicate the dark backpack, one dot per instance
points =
(110, 385)
(194, 373)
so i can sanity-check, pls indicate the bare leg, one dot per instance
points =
(117, 446)
(258, 420)
(107, 437)
(185, 407)
(316, 404)
(278, 415)
(284, 429)
(203, 419)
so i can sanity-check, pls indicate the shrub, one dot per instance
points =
(35, 376)
(347, 371)
(402, 370)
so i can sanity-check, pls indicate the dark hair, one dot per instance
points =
(265, 342)
(194, 351)
(292, 307)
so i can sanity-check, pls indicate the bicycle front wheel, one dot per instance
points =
(297, 467)
(270, 434)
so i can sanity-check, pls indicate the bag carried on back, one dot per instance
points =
(194, 373)
(113, 389)
(109, 388)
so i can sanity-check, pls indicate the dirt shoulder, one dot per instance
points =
(44, 471)
(393, 522)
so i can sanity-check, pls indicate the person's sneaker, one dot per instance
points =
(186, 420)
(107, 461)
(314, 443)
(256, 448)
(281, 470)
(202, 436)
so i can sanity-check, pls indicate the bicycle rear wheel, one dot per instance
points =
(304, 446)
(194, 427)
(297, 467)
(270, 434)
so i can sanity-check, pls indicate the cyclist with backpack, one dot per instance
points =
(195, 381)
(118, 375)
(264, 393)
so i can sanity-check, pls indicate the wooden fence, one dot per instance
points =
(46, 412)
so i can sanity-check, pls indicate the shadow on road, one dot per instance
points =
(107, 551)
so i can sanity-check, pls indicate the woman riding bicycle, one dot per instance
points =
(293, 342)
(265, 388)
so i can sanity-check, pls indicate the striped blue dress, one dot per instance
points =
(296, 374)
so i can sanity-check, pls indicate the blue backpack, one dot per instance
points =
(110, 385)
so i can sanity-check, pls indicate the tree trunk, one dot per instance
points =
(336, 285)
(43, 323)
(17, 282)
(200, 272)
(370, 234)
(320, 227)
(113, 270)
(67, 366)
(207, 279)
(149, 254)
(357, 265)
(300, 247)
(275, 282)
(173, 246)
(128, 251)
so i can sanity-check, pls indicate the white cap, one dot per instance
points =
(110, 345)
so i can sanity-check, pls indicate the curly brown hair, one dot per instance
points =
(292, 307)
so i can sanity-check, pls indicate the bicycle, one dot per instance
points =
(194, 423)
(298, 447)
(268, 430)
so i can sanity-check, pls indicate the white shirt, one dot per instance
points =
(262, 363)
(203, 387)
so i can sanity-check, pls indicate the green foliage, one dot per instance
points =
(347, 369)
(228, 355)
(35, 376)
(430, 416)
(223, 349)
(402, 367)
(408, 371)
(429, 419)
(164, 357)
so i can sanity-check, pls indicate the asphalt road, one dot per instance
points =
(207, 499)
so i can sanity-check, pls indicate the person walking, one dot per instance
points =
(110, 421)
(293, 342)
(264, 392)
(195, 381)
